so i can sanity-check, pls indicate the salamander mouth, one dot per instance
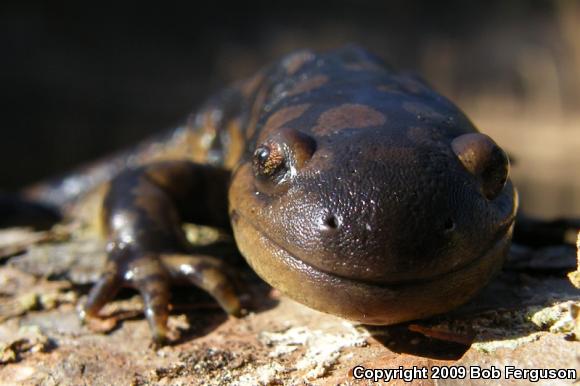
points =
(290, 259)
(380, 303)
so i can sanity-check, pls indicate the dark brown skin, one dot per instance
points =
(353, 189)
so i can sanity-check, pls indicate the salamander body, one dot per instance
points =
(352, 188)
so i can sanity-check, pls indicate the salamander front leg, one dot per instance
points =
(147, 249)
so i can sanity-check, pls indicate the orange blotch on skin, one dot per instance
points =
(308, 85)
(202, 131)
(348, 116)
(294, 62)
(256, 110)
(250, 86)
(411, 85)
(281, 117)
(236, 143)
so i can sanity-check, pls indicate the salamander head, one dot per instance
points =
(374, 219)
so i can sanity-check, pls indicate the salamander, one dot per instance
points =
(352, 188)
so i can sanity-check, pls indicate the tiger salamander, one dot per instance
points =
(352, 188)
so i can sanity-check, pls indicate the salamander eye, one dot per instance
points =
(268, 160)
(483, 158)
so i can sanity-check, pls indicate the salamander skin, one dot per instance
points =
(352, 188)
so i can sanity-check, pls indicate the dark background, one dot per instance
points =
(79, 81)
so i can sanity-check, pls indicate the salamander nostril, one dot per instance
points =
(331, 222)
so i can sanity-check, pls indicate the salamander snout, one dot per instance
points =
(388, 214)
(377, 209)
